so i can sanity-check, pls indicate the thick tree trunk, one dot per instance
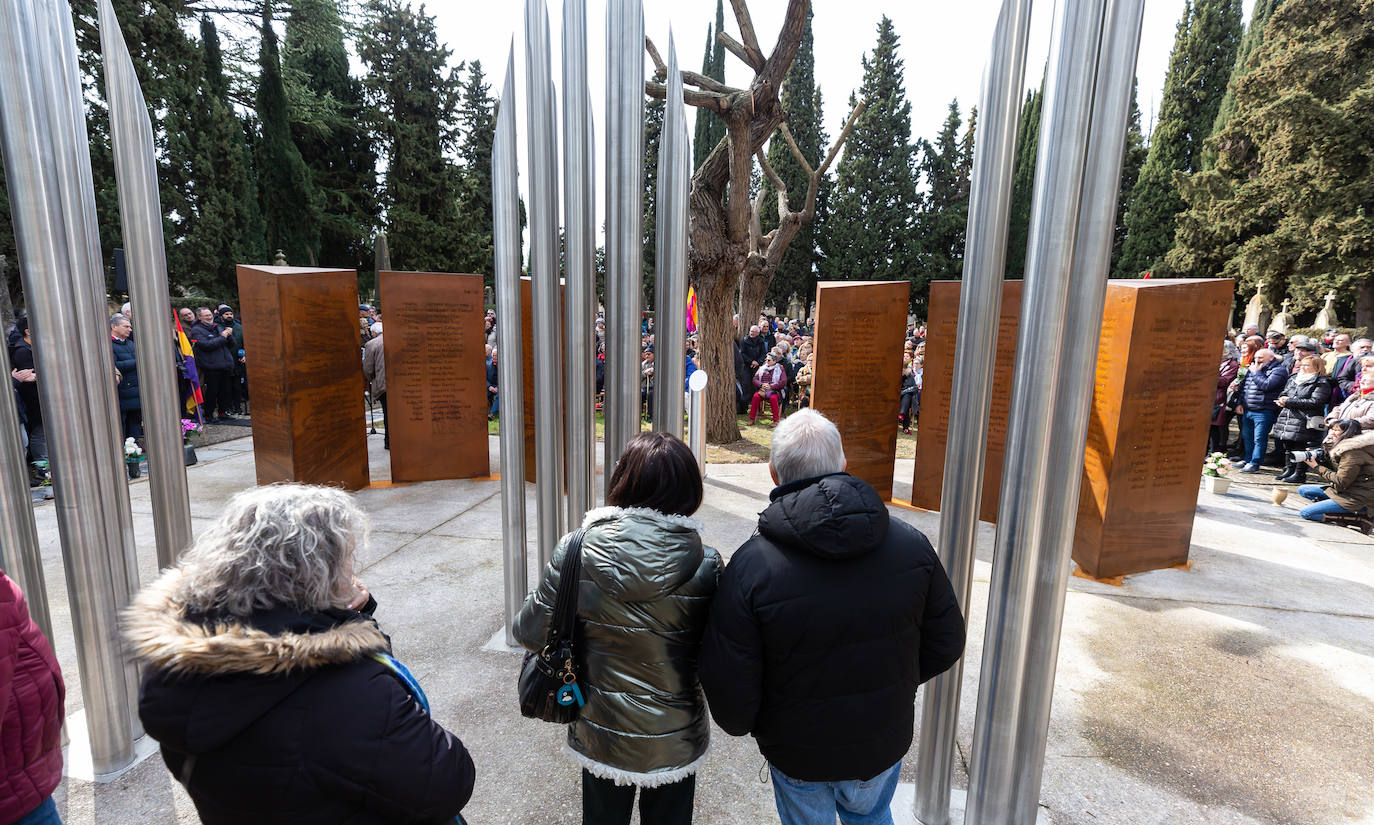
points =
(1364, 304)
(753, 289)
(715, 303)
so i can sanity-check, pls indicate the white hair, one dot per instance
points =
(127, 309)
(805, 445)
(279, 545)
(375, 329)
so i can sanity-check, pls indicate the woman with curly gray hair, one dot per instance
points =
(257, 645)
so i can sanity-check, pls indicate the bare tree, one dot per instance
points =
(731, 259)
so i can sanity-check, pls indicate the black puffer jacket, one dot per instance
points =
(289, 719)
(1305, 398)
(126, 361)
(213, 351)
(824, 624)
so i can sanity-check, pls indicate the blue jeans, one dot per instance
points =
(1324, 506)
(44, 814)
(1254, 433)
(816, 803)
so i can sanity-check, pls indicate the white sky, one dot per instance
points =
(944, 46)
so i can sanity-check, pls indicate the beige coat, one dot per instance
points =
(374, 366)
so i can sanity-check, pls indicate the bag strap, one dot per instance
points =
(565, 603)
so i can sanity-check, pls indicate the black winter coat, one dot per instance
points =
(1310, 398)
(21, 358)
(212, 350)
(288, 718)
(754, 349)
(126, 361)
(825, 622)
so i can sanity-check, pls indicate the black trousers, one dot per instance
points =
(386, 429)
(606, 803)
(217, 388)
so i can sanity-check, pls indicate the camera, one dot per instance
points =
(1298, 456)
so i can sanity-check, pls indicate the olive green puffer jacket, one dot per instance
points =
(643, 599)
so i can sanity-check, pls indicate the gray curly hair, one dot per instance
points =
(279, 545)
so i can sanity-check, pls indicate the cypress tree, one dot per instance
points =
(413, 94)
(477, 121)
(1199, 67)
(870, 232)
(329, 129)
(1023, 182)
(1290, 201)
(946, 165)
(289, 203)
(710, 129)
(653, 140)
(797, 273)
(1133, 158)
(1254, 35)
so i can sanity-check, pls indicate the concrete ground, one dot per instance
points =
(1240, 691)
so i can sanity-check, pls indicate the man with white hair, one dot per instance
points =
(755, 348)
(824, 623)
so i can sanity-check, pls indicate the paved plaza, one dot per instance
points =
(1239, 691)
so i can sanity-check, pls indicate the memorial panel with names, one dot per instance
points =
(436, 387)
(305, 374)
(858, 374)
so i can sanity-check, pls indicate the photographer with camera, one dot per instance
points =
(1345, 461)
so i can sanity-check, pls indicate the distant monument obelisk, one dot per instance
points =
(381, 254)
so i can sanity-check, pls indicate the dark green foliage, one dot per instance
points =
(710, 129)
(328, 126)
(477, 119)
(413, 94)
(946, 165)
(1290, 201)
(1199, 67)
(1254, 35)
(1133, 158)
(653, 140)
(11, 273)
(290, 204)
(797, 273)
(1023, 182)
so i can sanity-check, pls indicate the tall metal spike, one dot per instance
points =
(670, 269)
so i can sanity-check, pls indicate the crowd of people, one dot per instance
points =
(1314, 398)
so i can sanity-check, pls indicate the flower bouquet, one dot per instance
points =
(188, 450)
(133, 457)
(1215, 473)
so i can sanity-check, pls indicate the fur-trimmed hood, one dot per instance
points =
(161, 635)
(1363, 441)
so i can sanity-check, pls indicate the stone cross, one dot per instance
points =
(1331, 297)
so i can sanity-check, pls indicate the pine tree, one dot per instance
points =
(328, 128)
(413, 94)
(1133, 158)
(1199, 67)
(1254, 35)
(797, 274)
(477, 121)
(1290, 201)
(870, 232)
(710, 129)
(1023, 182)
(226, 227)
(943, 218)
(290, 205)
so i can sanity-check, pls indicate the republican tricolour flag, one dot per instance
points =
(691, 309)
(184, 343)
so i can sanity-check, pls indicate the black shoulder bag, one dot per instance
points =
(548, 679)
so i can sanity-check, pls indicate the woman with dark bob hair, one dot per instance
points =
(269, 686)
(644, 594)
(1349, 476)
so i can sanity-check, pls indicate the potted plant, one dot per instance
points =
(1215, 472)
(133, 457)
(188, 450)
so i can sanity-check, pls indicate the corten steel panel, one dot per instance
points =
(933, 426)
(858, 376)
(527, 368)
(1152, 404)
(305, 374)
(436, 385)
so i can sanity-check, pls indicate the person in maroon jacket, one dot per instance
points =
(31, 712)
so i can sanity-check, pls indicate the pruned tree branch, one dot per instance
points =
(746, 30)
(660, 68)
(796, 152)
(844, 135)
(715, 101)
(753, 60)
(769, 173)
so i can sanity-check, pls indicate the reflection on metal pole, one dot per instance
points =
(543, 210)
(1116, 59)
(505, 208)
(42, 142)
(696, 419)
(579, 300)
(670, 283)
(19, 554)
(980, 304)
(131, 134)
(624, 221)
(1025, 517)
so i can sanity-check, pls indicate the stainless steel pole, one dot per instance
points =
(131, 134)
(696, 419)
(505, 208)
(19, 552)
(1087, 293)
(980, 305)
(624, 221)
(1024, 517)
(670, 282)
(579, 299)
(547, 310)
(33, 113)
